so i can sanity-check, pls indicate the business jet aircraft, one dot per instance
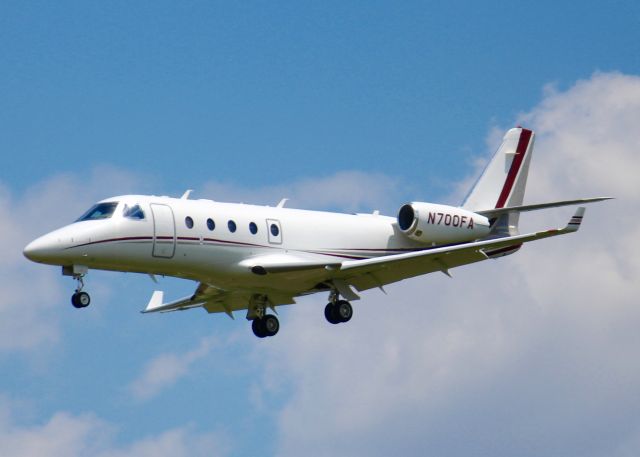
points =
(255, 258)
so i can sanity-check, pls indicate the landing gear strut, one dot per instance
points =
(338, 311)
(80, 299)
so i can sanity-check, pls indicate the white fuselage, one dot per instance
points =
(164, 242)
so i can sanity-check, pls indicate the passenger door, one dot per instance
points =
(164, 231)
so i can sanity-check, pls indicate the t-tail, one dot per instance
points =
(503, 181)
(499, 192)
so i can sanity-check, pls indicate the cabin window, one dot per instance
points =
(275, 231)
(188, 222)
(133, 212)
(99, 211)
(232, 226)
(210, 224)
(253, 228)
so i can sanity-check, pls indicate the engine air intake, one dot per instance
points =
(406, 216)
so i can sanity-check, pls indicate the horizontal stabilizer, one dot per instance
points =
(495, 212)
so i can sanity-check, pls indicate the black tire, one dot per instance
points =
(271, 324)
(330, 314)
(343, 311)
(80, 300)
(258, 328)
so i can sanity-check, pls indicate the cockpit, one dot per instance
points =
(99, 211)
(133, 212)
(106, 210)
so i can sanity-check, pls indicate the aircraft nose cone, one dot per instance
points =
(39, 250)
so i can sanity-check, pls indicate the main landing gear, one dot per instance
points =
(80, 299)
(262, 324)
(337, 311)
(266, 326)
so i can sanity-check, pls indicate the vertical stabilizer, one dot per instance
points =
(503, 181)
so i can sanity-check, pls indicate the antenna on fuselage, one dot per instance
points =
(185, 196)
(282, 202)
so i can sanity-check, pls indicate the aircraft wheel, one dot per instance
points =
(271, 324)
(258, 328)
(80, 300)
(267, 326)
(343, 311)
(330, 314)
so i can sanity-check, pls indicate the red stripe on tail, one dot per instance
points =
(523, 143)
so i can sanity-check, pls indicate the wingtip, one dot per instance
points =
(576, 220)
(155, 302)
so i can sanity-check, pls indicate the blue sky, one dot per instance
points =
(206, 89)
(344, 106)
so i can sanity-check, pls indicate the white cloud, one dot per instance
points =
(590, 136)
(165, 370)
(534, 354)
(180, 442)
(68, 435)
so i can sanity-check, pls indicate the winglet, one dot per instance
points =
(576, 220)
(155, 302)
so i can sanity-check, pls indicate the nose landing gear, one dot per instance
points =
(80, 299)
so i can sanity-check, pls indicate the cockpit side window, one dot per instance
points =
(99, 211)
(133, 212)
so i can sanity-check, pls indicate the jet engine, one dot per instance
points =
(431, 223)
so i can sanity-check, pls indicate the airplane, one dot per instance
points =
(254, 258)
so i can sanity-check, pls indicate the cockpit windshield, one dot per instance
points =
(133, 212)
(99, 211)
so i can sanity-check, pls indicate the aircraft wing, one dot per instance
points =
(362, 274)
(211, 298)
(215, 300)
(376, 272)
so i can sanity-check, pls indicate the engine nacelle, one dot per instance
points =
(431, 223)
